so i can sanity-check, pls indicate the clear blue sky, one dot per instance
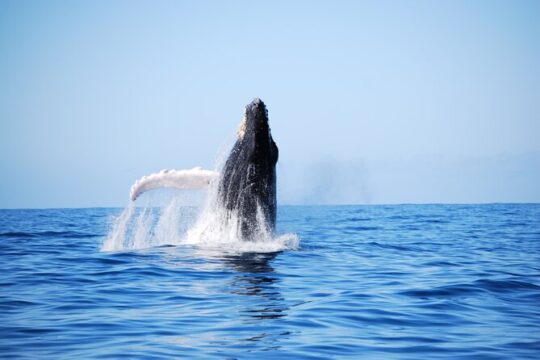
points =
(370, 102)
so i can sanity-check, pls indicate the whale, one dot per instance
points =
(246, 185)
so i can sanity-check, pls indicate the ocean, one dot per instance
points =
(347, 282)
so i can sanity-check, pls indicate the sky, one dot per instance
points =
(370, 102)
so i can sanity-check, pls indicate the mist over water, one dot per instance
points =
(324, 181)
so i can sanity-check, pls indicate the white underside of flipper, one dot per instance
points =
(196, 178)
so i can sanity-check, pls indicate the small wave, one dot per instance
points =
(441, 263)
(478, 286)
(358, 218)
(20, 330)
(399, 217)
(515, 224)
(505, 285)
(387, 246)
(16, 304)
(362, 228)
(520, 345)
(38, 234)
(444, 291)
(434, 221)
(69, 234)
(17, 234)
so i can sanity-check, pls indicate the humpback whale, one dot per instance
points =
(246, 187)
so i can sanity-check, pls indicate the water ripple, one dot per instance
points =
(399, 282)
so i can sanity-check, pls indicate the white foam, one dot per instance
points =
(196, 178)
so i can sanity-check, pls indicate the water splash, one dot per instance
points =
(147, 226)
(221, 228)
(208, 226)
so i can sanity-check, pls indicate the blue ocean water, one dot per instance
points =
(396, 282)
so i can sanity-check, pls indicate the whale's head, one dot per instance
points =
(248, 181)
(254, 134)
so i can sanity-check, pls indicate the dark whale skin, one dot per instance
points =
(248, 178)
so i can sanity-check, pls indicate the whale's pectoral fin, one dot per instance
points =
(195, 178)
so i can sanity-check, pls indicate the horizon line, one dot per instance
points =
(299, 205)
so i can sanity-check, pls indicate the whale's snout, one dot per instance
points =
(256, 105)
(256, 112)
(255, 120)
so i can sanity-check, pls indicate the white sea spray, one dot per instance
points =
(208, 225)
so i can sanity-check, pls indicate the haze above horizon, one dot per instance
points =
(369, 102)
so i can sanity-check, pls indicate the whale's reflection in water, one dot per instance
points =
(256, 278)
(254, 315)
